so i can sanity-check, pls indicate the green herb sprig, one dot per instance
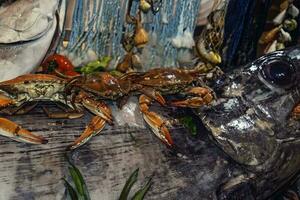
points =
(140, 194)
(80, 191)
(77, 188)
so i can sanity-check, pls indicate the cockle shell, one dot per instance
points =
(145, 6)
(141, 37)
(125, 64)
(293, 11)
(284, 36)
(280, 17)
(290, 24)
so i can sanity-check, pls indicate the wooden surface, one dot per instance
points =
(35, 171)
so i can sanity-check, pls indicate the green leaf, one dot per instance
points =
(116, 73)
(139, 195)
(79, 182)
(128, 185)
(76, 180)
(98, 65)
(71, 191)
(190, 124)
(106, 60)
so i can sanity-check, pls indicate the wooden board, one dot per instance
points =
(35, 171)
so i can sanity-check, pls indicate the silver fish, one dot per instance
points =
(251, 123)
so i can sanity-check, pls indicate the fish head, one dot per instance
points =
(251, 118)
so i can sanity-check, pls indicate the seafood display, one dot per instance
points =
(232, 134)
(89, 91)
(243, 120)
(27, 29)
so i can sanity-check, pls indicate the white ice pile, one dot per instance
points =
(129, 115)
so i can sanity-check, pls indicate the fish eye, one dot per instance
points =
(280, 73)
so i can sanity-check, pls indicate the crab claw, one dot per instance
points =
(203, 97)
(156, 123)
(194, 102)
(159, 98)
(158, 127)
(153, 94)
(99, 108)
(12, 130)
(5, 101)
(94, 127)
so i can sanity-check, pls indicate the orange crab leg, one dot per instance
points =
(98, 108)
(103, 115)
(94, 128)
(63, 115)
(5, 101)
(203, 97)
(12, 130)
(296, 112)
(153, 94)
(156, 123)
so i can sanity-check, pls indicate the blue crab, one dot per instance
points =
(91, 92)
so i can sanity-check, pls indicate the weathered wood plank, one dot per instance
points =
(35, 171)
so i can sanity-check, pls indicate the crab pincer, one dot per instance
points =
(92, 129)
(12, 130)
(156, 123)
(203, 96)
(103, 116)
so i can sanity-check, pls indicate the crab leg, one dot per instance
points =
(296, 112)
(103, 115)
(62, 115)
(99, 108)
(20, 110)
(203, 97)
(153, 94)
(156, 123)
(11, 130)
(94, 127)
(5, 101)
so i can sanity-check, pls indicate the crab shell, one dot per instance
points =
(31, 87)
(103, 84)
(167, 80)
